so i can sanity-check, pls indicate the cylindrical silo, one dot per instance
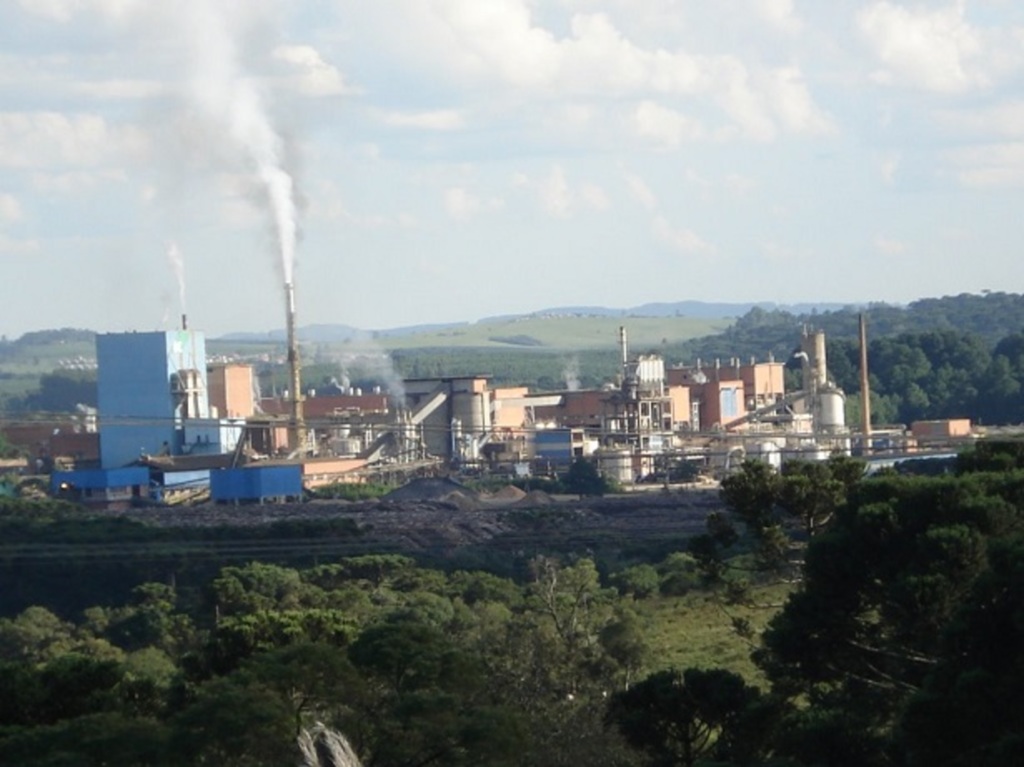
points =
(616, 464)
(831, 415)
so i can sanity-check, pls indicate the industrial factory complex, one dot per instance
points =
(171, 426)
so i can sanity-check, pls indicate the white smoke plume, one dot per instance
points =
(374, 362)
(233, 102)
(177, 264)
(571, 374)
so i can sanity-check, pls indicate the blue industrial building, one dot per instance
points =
(554, 445)
(101, 486)
(152, 396)
(256, 483)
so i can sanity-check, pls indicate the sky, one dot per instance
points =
(403, 162)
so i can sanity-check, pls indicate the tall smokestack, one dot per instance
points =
(865, 389)
(623, 347)
(297, 426)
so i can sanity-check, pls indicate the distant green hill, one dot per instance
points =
(650, 327)
(562, 333)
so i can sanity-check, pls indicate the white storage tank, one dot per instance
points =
(616, 464)
(769, 453)
(831, 410)
(473, 411)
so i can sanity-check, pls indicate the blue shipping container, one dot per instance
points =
(256, 483)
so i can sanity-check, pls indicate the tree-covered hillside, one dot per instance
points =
(953, 357)
(990, 317)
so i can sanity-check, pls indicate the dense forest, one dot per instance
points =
(899, 641)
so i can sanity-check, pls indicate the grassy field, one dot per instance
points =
(697, 630)
(17, 385)
(562, 333)
(38, 358)
(568, 333)
(22, 364)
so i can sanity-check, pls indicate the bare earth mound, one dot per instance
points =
(508, 493)
(456, 519)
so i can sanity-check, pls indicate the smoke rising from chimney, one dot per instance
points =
(177, 263)
(571, 374)
(234, 103)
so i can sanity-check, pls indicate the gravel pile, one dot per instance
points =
(459, 518)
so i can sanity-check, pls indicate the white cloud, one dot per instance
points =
(1005, 119)
(436, 120)
(10, 209)
(121, 89)
(732, 185)
(743, 104)
(313, 75)
(559, 197)
(327, 204)
(53, 139)
(594, 197)
(14, 247)
(683, 240)
(500, 43)
(75, 182)
(739, 185)
(763, 102)
(572, 118)
(555, 195)
(63, 11)
(934, 49)
(990, 165)
(462, 205)
(889, 246)
(888, 167)
(663, 126)
(792, 104)
(780, 14)
(641, 192)
(780, 255)
(55, 10)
